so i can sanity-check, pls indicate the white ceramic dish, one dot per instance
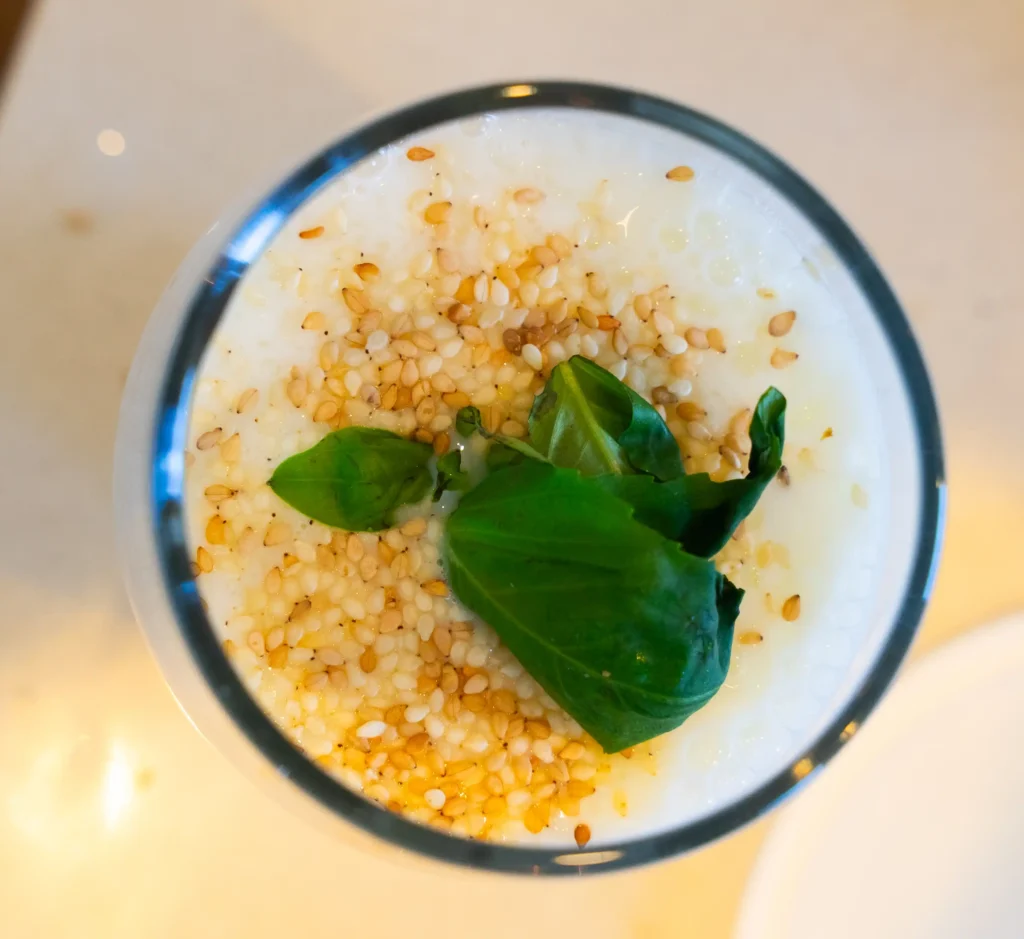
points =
(916, 831)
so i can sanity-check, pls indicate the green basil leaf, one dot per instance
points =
(629, 634)
(696, 511)
(355, 478)
(468, 420)
(586, 419)
(450, 474)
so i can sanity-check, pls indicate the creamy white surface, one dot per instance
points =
(711, 241)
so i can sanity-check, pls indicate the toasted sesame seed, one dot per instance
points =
(419, 154)
(436, 588)
(218, 493)
(513, 341)
(246, 400)
(278, 658)
(781, 358)
(680, 174)
(791, 608)
(314, 232)
(536, 818)
(781, 323)
(314, 320)
(731, 457)
(297, 389)
(560, 245)
(538, 729)
(210, 439)
(325, 412)
(414, 527)
(582, 836)
(690, 411)
(697, 338)
(367, 271)
(355, 300)
(368, 661)
(750, 638)
(455, 807)
(527, 196)
(544, 256)
(204, 560)
(437, 212)
(278, 532)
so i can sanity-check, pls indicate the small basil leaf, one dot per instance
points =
(468, 420)
(450, 474)
(355, 478)
(696, 511)
(586, 419)
(625, 631)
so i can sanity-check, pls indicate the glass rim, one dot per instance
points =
(247, 242)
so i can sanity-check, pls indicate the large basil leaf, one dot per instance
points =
(696, 511)
(585, 418)
(629, 634)
(355, 478)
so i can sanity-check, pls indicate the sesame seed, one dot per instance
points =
(435, 798)
(680, 174)
(781, 323)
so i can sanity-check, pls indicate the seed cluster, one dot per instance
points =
(350, 639)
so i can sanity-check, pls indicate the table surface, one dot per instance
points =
(116, 818)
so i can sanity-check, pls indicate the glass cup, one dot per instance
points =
(149, 482)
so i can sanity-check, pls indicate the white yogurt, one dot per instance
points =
(730, 262)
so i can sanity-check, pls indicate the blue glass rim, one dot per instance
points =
(245, 244)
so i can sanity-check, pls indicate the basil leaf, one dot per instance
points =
(625, 631)
(696, 511)
(355, 478)
(468, 420)
(586, 419)
(450, 474)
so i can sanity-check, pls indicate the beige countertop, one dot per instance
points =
(116, 818)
